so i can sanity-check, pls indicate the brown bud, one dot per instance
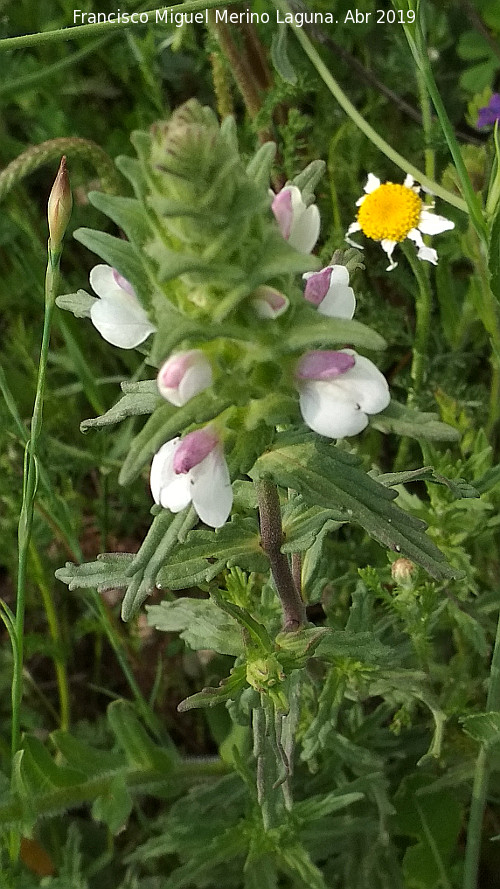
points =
(402, 570)
(59, 206)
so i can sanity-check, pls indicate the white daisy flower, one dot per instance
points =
(390, 213)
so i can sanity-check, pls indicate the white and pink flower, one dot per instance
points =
(299, 224)
(269, 302)
(338, 391)
(118, 314)
(329, 291)
(193, 470)
(184, 375)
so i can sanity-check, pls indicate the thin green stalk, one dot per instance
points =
(481, 780)
(19, 85)
(55, 634)
(363, 125)
(425, 107)
(417, 44)
(61, 34)
(487, 308)
(29, 493)
(423, 310)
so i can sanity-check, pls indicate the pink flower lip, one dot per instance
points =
(317, 286)
(174, 370)
(123, 283)
(193, 449)
(282, 209)
(324, 365)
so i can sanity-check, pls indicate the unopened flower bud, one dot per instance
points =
(59, 206)
(402, 570)
(269, 302)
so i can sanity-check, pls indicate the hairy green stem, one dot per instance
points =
(238, 62)
(363, 125)
(481, 779)
(35, 157)
(61, 34)
(294, 612)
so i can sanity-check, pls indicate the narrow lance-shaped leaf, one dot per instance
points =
(324, 477)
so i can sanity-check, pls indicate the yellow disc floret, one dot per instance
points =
(389, 212)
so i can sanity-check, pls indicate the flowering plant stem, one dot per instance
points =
(416, 41)
(423, 309)
(362, 124)
(61, 34)
(481, 778)
(271, 532)
(29, 494)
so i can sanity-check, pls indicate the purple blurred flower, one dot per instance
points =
(490, 113)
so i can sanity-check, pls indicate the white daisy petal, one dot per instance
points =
(431, 224)
(372, 183)
(428, 254)
(409, 181)
(388, 248)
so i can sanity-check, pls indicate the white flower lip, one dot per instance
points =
(298, 224)
(118, 314)
(206, 483)
(184, 375)
(340, 406)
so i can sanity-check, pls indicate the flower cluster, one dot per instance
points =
(337, 390)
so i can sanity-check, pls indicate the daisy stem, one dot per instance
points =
(417, 43)
(362, 124)
(271, 532)
(425, 107)
(423, 309)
